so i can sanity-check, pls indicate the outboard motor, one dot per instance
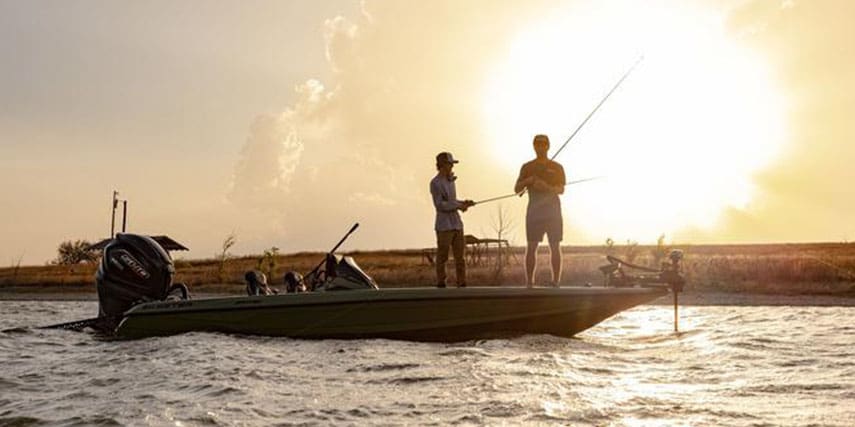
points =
(134, 269)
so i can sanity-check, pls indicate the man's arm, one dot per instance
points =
(439, 203)
(465, 204)
(522, 183)
(560, 185)
(553, 185)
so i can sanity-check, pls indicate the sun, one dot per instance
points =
(678, 142)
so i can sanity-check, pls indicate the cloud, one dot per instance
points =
(406, 82)
(273, 151)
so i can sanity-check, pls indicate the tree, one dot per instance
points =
(16, 267)
(76, 252)
(224, 255)
(660, 252)
(268, 259)
(502, 224)
(609, 247)
(631, 250)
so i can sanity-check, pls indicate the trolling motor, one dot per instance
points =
(133, 269)
(669, 274)
(333, 273)
(340, 273)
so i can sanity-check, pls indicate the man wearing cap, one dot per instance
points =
(544, 179)
(448, 225)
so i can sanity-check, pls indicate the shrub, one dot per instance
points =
(76, 252)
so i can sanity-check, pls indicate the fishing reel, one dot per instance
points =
(615, 273)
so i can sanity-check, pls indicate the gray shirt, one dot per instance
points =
(444, 194)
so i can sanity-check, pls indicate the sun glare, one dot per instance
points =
(678, 142)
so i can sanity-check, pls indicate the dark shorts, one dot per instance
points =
(552, 227)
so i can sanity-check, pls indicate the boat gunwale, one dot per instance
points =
(385, 296)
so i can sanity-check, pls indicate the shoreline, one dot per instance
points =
(704, 299)
(687, 299)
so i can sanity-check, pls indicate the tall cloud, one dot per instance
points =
(406, 78)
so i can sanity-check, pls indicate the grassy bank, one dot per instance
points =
(777, 269)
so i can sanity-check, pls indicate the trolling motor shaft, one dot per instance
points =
(669, 274)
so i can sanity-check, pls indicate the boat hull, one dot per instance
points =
(415, 314)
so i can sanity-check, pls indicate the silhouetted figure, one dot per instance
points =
(448, 224)
(544, 179)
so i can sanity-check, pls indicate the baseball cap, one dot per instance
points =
(445, 157)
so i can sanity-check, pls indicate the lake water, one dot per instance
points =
(732, 366)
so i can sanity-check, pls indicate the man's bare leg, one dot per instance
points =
(555, 255)
(530, 263)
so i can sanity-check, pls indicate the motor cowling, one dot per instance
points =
(133, 269)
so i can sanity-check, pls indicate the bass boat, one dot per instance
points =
(137, 299)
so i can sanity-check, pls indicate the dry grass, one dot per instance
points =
(49, 275)
(805, 269)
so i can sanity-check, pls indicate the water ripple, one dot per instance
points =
(740, 366)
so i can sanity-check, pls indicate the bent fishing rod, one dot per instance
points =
(591, 114)
(578, 128)
(577, 181)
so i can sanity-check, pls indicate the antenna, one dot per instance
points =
(116, 201)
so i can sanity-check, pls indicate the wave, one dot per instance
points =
(21, 421)
(384, 367)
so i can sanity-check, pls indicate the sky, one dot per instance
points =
(285, 122)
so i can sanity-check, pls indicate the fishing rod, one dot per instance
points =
(578, 128)
(493, 199)
(591, 114)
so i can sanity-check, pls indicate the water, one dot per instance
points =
(734, 366)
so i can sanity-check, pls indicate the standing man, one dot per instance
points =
(544, 179)
(448, 225)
